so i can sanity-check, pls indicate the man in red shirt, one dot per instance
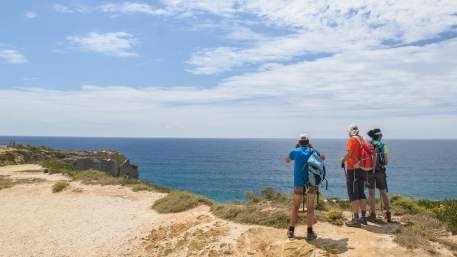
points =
(355, 177)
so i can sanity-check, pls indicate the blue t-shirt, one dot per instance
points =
(300, 157)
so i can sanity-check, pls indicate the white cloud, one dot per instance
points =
(118, 44)
(130, 7)
(60, 8)
(12, 56)
(390, 87)
(117, 8)
(329, 26)
(30, 14)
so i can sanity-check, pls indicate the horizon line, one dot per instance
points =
(177, 137)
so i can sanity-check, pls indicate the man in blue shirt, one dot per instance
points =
(300, 156)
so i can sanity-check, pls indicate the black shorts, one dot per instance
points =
(378, 179)
(355, 181)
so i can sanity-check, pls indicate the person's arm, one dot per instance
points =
(346, 157)
(349, 150)
(386, 156)
(289, 158)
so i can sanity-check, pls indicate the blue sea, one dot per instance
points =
(224, 169)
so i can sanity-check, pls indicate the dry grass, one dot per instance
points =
(59, 186)
(334, 216)
(7, 182)
(178, 201)
(258, 214)
(419, 230)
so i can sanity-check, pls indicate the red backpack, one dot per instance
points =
(367, 155)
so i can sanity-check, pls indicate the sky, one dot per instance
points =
(232, 68)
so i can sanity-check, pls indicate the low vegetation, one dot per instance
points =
(178, 201)
(93, 177)
(59, 186)
(334, 216)
(7, 182)
(444, 211)
(419, 230)
(56, 166)
(268, 208)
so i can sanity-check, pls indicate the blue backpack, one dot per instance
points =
(316, 170)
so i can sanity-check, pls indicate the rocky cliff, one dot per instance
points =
(111, 162)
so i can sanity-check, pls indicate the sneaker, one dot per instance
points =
(353, 223)
(290, 233)
(363, 221)
(372, 218)
(389, 217)
(311, 236)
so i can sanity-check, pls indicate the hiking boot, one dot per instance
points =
(389, 217)
(354, 223)
(290, 232)
(311, 236)
(363, 220)
(372, 218)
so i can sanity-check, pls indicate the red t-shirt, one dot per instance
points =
(354, 147)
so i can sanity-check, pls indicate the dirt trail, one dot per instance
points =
(114, 221)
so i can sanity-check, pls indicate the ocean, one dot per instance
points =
(224, 169)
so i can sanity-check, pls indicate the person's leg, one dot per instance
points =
(361, 176)
(385, 199)
(310, 213)
(372, 200)
(355, 203)
(381, 183)
(296, 201)
(310, 208)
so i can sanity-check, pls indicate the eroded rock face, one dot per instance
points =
(111, 162)
(109, 166)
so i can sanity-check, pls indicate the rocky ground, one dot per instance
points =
(94, 220)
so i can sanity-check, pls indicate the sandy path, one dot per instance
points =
(81, 221)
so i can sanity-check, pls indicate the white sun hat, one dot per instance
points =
(303, 136)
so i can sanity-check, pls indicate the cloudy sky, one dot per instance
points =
(232, 68)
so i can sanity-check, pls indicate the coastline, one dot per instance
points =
(91, 219)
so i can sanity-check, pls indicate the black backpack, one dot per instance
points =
(379, 151)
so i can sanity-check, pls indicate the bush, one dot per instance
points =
(178, 201)
(253, 214)
(59, 186)
(334, 216)
(402, 205)
(56, 166)
(447, 212)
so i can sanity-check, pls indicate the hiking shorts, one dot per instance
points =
(378, 179)
(355, 181)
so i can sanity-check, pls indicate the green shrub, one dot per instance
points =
(447, 212)
(56, 166)
(402, 205)
(178, 201)
(253, 214)
(334, 216)
(59, 186)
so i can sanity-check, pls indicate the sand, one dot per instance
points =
(93, 220)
